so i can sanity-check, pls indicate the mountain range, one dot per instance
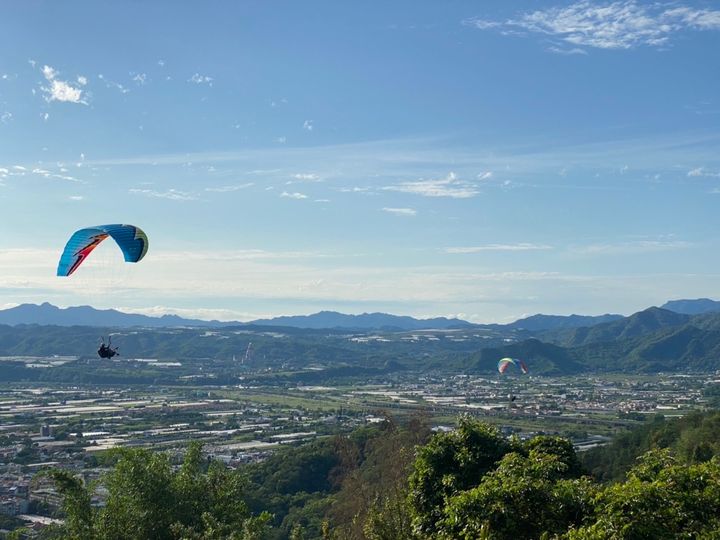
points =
(651, 340)
(566, 330)
(48, 314)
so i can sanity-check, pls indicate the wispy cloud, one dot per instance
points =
(139, 78)
(308, 125)
(498, 247)
(608, 25)
(701, 171)
(197, 78)
(356, 189)
(407, 212)
(113, 84)
(227, 189)
(5, 117)
(62, 90)
(170, 194)
(76, 198)
(307, 177)
(639, 246)
(450, 186)
(56, 175)
(567, 52)
(294, 195)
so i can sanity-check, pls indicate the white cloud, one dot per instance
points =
(400, 211)
(5, 117)
(76, 198)
(311, 177)
(623, 24)
(45, 116)
(498, 247)
(295, 195)
(308, 125)
(140, 78)
(450, 186)
(171, 194)
(62, 90)
(201, 79)
(487, 175)
(322, 200)
(48, 72)
(227, 189)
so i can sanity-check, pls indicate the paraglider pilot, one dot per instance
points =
(106, 351)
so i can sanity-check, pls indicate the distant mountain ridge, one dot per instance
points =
(566, 329)
(48, 314)
(692, 307)
(364, 321)
(540, 322)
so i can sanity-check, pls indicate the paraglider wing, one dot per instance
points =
(132, 241)
(504, 363)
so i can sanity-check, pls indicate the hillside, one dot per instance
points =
(540, 322)
(641, 323)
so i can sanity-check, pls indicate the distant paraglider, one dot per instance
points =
(504, 363)
(132, 241)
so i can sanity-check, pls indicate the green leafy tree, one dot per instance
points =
(523, 497)
(148, 499)
(661, 500)
(450, 463)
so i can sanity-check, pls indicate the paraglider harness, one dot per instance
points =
(106, 351)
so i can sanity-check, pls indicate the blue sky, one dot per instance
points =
(486, 160)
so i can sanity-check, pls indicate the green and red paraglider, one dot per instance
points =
(505, 363)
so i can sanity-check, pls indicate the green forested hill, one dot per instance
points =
(636, 325)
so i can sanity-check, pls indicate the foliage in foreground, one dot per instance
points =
(471, 483)
(148, 499)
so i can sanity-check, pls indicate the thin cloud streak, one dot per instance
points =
(407, 212)
(170, 194)
(450, 186)
(498, 247)
(637, 247)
